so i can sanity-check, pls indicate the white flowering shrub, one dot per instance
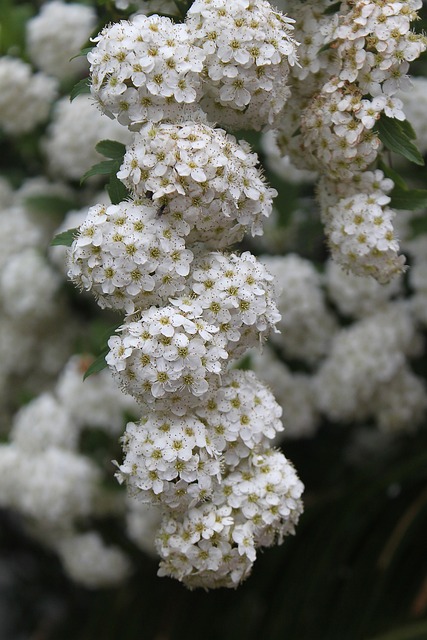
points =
(171, 325)
(191, 311)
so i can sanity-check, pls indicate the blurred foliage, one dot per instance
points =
(355, 570)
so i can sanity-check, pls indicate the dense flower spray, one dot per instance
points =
(354, 59)
(202, 450)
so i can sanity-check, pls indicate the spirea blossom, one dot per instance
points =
(236, 294)
(361, 236)
(57, 34)
(339, 141)
(92, 563)
(306, 326)
(363, 358)
(145, 70)
(129, 255)
(248, 48)
(376, 44)
(75, 129)
(165, 352)
(191, 308)
(353, 64)
(214, 545)
(202, 175)
(169, 460)
(43, 423)
(25, 97)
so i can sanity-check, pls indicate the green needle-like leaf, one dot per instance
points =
(97, 365)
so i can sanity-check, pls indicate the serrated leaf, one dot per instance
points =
(392, 174)
(117, 190)
(50, 204)
(111, 149)
(65, 238)
(81, 87)
(97, 365)
(103, 168)
(395, 138)
(333, 8)
(409, 199)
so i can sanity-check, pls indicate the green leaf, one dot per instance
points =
(13, 24)
(326, 46)
(103, 168)
(111, 149)
(416, 631)
(82, 86)
(97, 365)
(392, 174)
(82, 52)
(117, 190)
(50, 204)
(333, 8)
(183, 6)
(408, 129)
(393, 135)
(418, 226)
(410, 199)
(64, 239)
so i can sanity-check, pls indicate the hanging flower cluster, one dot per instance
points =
(354, 57)
(202, 449)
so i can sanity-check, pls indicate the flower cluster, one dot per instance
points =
(203, 176)
(363, 358)
(249, 50)
(57, 488)
(74, 130)
(56, 34)
(366, 47)
(25, 97)
(215, 546)
(145, 69)
(202, 449)
(232, 59)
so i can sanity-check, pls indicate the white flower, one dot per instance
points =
(248, 50)
(25, 97)
(90, 562)
(157, 62)
(57, 34)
